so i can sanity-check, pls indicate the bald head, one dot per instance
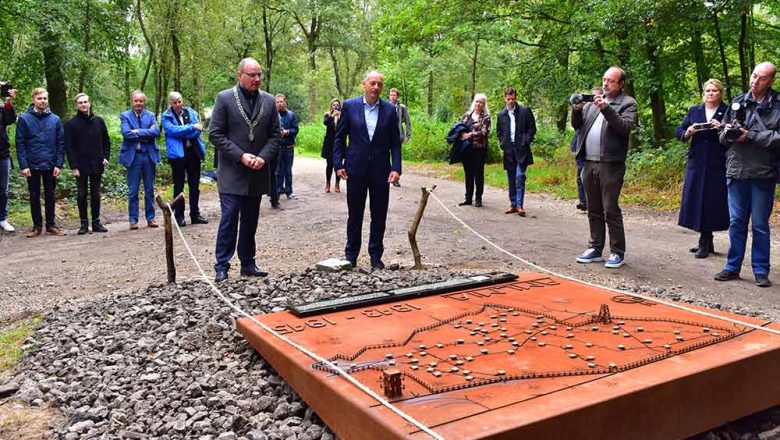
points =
(373, 83)
(249, 74)
(762, 79)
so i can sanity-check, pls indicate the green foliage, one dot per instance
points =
(11, 340)
(660, 168)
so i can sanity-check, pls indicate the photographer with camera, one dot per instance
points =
(752, 135)
(7, 117)
(704, 206)
(582, 203)
(604, 126)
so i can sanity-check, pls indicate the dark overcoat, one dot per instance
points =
(229, 132)
(704, 205)
(87, 143)
(525, 131)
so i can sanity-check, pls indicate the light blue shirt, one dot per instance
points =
(372, 116)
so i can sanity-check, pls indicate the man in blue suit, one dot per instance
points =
(140, 155)
(369, 162)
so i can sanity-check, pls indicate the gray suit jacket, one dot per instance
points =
(404, 122)
(229, 132)
(620, 117)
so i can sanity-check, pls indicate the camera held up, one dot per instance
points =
(740, 113)
(580, 97)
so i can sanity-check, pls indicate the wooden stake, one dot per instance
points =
(416, 223)
(179, 200)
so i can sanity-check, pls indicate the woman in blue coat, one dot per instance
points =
(704, 206)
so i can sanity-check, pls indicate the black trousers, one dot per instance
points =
(91, 181)
(603, 182)
(329, 170)
(474, 169)
(187, 169)
(34, 186)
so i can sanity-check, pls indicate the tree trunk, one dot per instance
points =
(702, 71)
(311, 44)
(53, 67)
(175, 47)
(85, 61)
(722, 51)
(336, 75)
(269, 48)
(196, 99)
(563, 107)
(148, 43)
(430, 92)
(657, 104)
(744, 69)
(474, 69)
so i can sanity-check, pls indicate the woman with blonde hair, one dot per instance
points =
(477, 118)
(330, 121)
(704, 206)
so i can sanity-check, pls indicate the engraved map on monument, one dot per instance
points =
(487, 336)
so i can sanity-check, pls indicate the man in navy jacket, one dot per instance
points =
(364, 161)
(40, 148)
(140, 155)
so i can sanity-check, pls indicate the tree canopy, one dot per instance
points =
(438, 53)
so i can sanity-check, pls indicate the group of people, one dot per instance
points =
(516, 131)
(732, 171)
(730, 178)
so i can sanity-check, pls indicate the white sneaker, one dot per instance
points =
(7, 227)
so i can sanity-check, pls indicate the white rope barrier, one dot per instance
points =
(301, 348)
(622, 292)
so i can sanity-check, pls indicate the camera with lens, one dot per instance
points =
(5, 89)
(580, 97)
(740, 113)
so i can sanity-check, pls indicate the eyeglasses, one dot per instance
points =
(252, 75)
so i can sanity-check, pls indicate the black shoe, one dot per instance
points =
(198, 220)
(582, 207)
(465, 203)
(181, 222)
(84, 228)
(396, 184)
(694, 249)
(220, 276)
(253, 271)
(726, 275)
(277, 206)
(377, 264)
(98, 227)
(478, 203)
(763, 281)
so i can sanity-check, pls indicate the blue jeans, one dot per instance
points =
(143, 167)
(749, 200)
(237, 222)
(5, 177)
(516, 182)
(284, 171)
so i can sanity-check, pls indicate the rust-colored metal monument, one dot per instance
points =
(536, 357)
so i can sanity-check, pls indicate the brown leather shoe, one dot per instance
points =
(133, 226)
(511, 210)
(152, 224)
(34, 232)
(53, 230)
(521, 212)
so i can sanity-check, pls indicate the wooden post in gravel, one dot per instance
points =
(178, 200)
(415, 223)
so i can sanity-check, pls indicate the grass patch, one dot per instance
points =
(12, 338)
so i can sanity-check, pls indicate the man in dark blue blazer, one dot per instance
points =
(370, 161)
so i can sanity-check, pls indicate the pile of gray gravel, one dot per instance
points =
(168, 363)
